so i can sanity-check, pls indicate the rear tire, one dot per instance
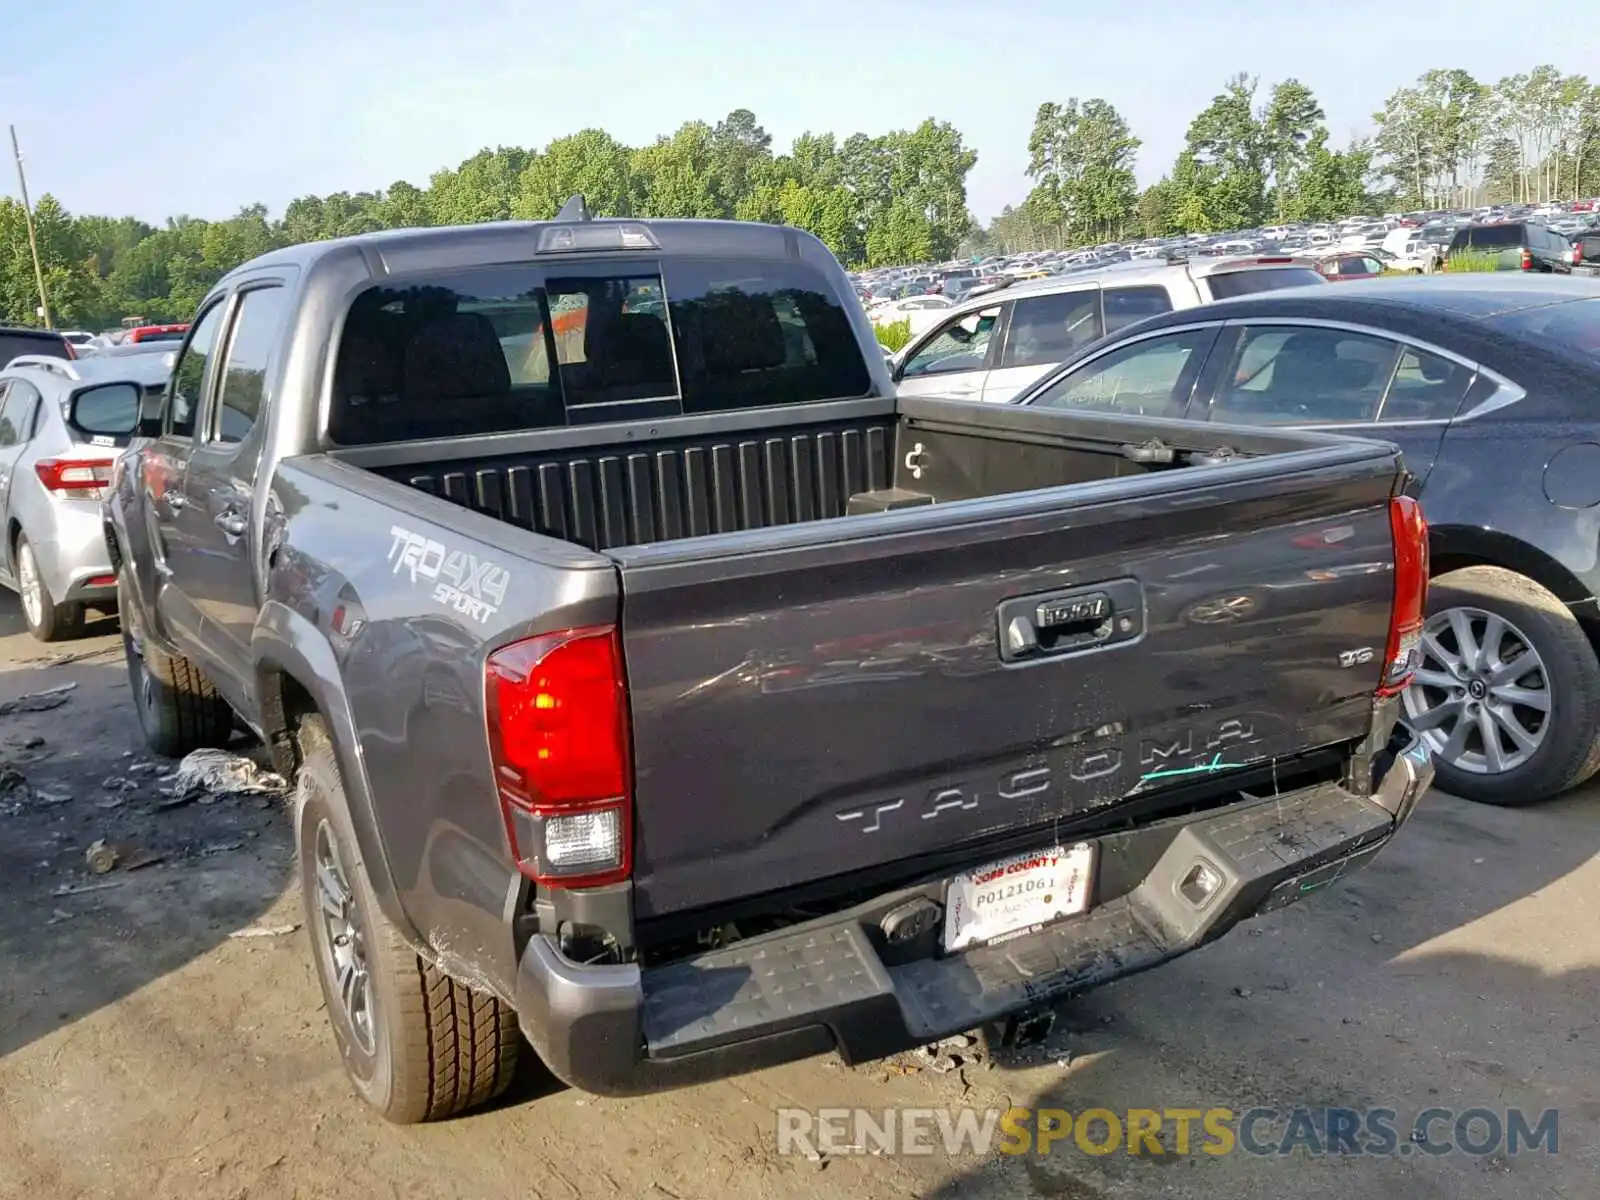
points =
(178, 708)
(417, 1045)
(1529, 680)
(47, 620)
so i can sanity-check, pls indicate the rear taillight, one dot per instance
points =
(1404, 652)
(1527, 259)
(86, 479)
(558, 738)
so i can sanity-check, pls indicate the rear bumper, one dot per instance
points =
(74, 563)
(619, 1030)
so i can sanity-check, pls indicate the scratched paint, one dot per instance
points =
(1216, 764)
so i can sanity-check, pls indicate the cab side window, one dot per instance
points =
(189, 375)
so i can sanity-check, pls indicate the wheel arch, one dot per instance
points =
(1451, 547)
(296, 675)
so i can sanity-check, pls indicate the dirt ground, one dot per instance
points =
(145, 1052)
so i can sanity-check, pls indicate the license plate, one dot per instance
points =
(1017, 894)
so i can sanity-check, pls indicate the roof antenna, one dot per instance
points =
(576, 209)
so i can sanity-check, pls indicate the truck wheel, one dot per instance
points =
(178, 708)
(417, 1045)
(1508, 694)
(47, 620)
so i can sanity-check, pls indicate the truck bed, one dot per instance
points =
(627, 487)
(813, 698)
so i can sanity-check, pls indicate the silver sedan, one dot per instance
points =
(63, 424)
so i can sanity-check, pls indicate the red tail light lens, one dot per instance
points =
(87, 479)
(558, 737)
(1404, 652)
(1527, 259)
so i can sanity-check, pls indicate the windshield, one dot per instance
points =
(1229, 284)
(14, 344)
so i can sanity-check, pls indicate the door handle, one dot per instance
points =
(1086, 618)
(176, 500)
(231, 523)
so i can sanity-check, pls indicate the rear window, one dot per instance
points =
(1227, 285)
(52, 345)
(1576, 325)
(1489, 237)
(504, 348)
(162, 335)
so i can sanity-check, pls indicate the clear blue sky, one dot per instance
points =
(200, 107)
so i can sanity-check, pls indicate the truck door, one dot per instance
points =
(165, 462)
(220, 515)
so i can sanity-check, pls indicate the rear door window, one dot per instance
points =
(1490, 237)
(1151, 377)
(1302, 375)
(1124, 306)
(1225, 285)
(255, 333)
(1048, 329)
(18, 411)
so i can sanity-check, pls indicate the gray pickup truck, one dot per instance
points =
(663, 689)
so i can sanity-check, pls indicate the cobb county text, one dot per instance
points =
(1160, 1132)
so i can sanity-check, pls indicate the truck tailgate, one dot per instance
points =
(814, 700)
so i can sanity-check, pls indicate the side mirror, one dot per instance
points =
(108, 410)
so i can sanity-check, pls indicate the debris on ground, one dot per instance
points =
(265, 931)
(137, 860)
(210, 773)
(78, 889)
(101, 857)
(948, 1055)
(35, 702)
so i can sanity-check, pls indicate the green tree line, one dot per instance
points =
(1254, 156)
(894, 198)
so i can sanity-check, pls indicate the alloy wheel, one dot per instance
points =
(28, 584)
(344, 940)
(1481, 699)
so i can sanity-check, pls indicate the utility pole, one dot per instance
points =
(33, 242)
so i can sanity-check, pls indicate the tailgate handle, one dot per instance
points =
(1059, 623)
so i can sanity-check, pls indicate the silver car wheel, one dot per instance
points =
(1481, 699)
(28, 584)
(344, 940)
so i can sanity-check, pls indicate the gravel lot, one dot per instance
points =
(146, 1053)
